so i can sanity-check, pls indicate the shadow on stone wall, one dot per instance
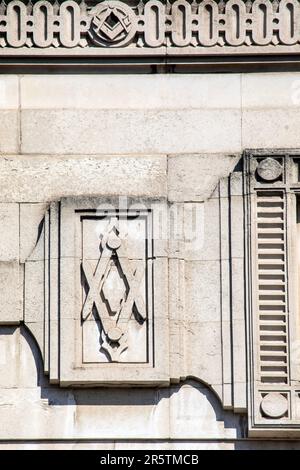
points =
(186, 411)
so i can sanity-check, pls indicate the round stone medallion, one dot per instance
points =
(269, 169)
(114, 333)
(274, 405)
(113, 24)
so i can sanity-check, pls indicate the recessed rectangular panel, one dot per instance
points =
(115, 279)
(113, 301)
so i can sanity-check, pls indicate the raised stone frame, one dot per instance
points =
(272, 190)
(104, 292)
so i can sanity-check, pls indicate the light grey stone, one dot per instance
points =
(190, 177)
(75, 319)
(9, 354)
(37, 445)
(176, 230)
(237, 183)
(11, 288)
(202, 231)
(9, 131)
(122, 445)
(202, 291)
(237, 228)
(238, 288)
(270, 128)
(9, 92)
(130, 131)
(177, 318)
(9, 232)
(144, 413)
(203, 339)
(271, 90)
(150, 419)
(31, 218)
(173, 139)
(194, 409)
(130, 91)
(55, 177)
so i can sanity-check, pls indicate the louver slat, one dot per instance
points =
(271, 299)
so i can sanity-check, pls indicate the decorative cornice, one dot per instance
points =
(154, 28)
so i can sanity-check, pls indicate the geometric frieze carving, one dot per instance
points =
(272, 233)
(192, 27)
(96, 296)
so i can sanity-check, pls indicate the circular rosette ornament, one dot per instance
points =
(113, 24)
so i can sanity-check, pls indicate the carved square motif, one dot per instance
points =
(105, 294)
(117, 287)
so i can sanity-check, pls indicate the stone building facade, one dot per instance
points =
(149, 224)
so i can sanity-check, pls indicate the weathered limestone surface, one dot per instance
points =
(74, 414)
(129, 131)
(270, 110)
(190, 177)
(139, 92)
(38, 178)
(173, 140)
(9, 131)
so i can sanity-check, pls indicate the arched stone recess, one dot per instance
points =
(50, 412)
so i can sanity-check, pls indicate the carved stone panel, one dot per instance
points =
(183, 27)
(272, 188)
(105, 295)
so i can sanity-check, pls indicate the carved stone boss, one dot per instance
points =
(272, 220)
(103, 321)
(136, 28)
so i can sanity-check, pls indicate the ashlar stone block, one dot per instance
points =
(130, 131)
(9, 92)
(11, 288)
(9, 131)
(114, 91)
(9, 232)
(191, 179)
(81, 175)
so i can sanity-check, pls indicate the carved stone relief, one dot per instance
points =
(111, 300)
(105, 293)
(272, 188)
(195, 27)
(113, 24)
(115, 288)
(96, 270)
